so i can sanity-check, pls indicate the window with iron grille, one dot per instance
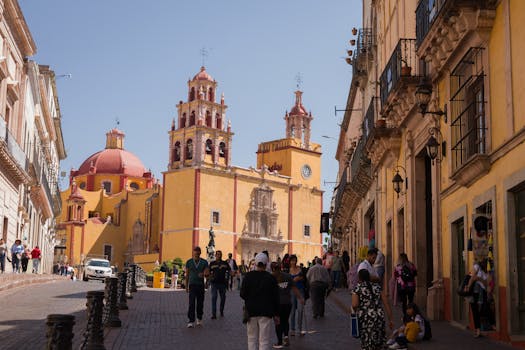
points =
(468, 126)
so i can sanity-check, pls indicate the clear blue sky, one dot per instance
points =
(131, 60)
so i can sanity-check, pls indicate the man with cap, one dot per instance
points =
(261, 297)
(196, 270)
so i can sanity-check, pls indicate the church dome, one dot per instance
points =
(203, 75)
(113, 161)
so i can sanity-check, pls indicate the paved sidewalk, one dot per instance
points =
(14, 280)
(156, 319)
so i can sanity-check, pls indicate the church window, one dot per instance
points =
(107, 186)
(219, 121)
(189, 149)
(183, 121)
(69, 213)
(306, 230)
(82, 185)
(222, 150)
(292, 131)
(215, 217)
(192, 118)
(211, 95)
(108, 251)
(134, 185)
(92, 214)
(209, 146)
(264, 225)
(192, 94)
(208, 119)
(176, 152)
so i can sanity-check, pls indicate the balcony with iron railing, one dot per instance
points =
(343, 181)
(12, 155)
(443, 25)
(57, 201)
(363, 52)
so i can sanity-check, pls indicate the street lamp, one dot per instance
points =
(397, 181)
(423, 95)
(433, 144)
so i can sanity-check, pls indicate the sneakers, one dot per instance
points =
(278, 346)
(190, 325)
(199, 322)
(390, 342)
(397, 346)
(286, 341)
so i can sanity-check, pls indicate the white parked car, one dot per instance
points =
(97, 269)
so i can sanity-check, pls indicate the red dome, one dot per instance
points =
(298, 110)
(203, 75)
(113, 161)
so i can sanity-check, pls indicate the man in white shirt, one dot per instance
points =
(368, 264)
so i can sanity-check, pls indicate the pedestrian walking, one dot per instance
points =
(3, 253)
(260, 293)
(379, 265)
(368, 300)
(243, 270)
(219, 270)
(478, 283)
(337, 270)
(36, 256)
(286, 288)
(319, 281)
(233, 269)
(26, 255)
(16, 255)
(196, 270)
(296, 315)
(405, 274)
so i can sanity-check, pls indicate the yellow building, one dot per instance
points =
(275, 206)
(111, 209)
(448, 127)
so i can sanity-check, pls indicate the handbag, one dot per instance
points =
(461, 289)
(245, 315)
(354, 325)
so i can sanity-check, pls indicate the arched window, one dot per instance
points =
(189, 149)
(192, 118)
(219, 121)
(292, 131)
(222, 150)
(134, 186)
(192, 94)
(208, 119)
(211, 95)
(176, 152)
(182, 123)
(209, 146)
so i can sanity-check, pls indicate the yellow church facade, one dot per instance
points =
(274, 206)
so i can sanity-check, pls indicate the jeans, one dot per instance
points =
(283, 327)
(221, 288)
(259, 330)
(336, 277)
(317, 293)
(15, 262)
(406, 296)
(297, 308)
(196, 295)
(25, 261)
(36, 264)
(2, 263)
(174, 281)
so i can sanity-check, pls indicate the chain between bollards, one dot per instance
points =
(111, 313)
(94, 335)
(122, 283)
(59, 332)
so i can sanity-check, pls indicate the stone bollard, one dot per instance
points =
(122, 281)
(128, 284)
(94, 335)
(59, 332)
(133, 288)
(111, 318)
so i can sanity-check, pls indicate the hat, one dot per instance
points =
(261, 259)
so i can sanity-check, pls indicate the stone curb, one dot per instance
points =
(11, 283)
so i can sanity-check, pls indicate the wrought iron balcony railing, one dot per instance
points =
(402, 65)
(343, 181)
(426, 13)
(363, 50)
(359, 161)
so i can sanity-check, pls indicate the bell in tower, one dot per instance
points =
(298, 122)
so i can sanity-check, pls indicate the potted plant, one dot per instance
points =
(406, 70)
(381, 123)
(354, 31)
(352, 42)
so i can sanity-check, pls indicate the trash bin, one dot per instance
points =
(158, 279)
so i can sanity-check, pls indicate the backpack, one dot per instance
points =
(428, 330)
(407, 275)
(353, 277)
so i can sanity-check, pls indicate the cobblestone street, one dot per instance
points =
(156, 319)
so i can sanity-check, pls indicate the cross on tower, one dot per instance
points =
(117, 122)
(299, 80)
(204, 54)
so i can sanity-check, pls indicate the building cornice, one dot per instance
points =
(19, 28)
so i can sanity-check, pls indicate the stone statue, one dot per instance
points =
(210, 249)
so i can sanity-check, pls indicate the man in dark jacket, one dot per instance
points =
(261, 296)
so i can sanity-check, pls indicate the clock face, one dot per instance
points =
(306, 171)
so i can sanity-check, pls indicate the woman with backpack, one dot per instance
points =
(405, 275)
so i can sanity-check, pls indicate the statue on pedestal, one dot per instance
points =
(210, 249)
